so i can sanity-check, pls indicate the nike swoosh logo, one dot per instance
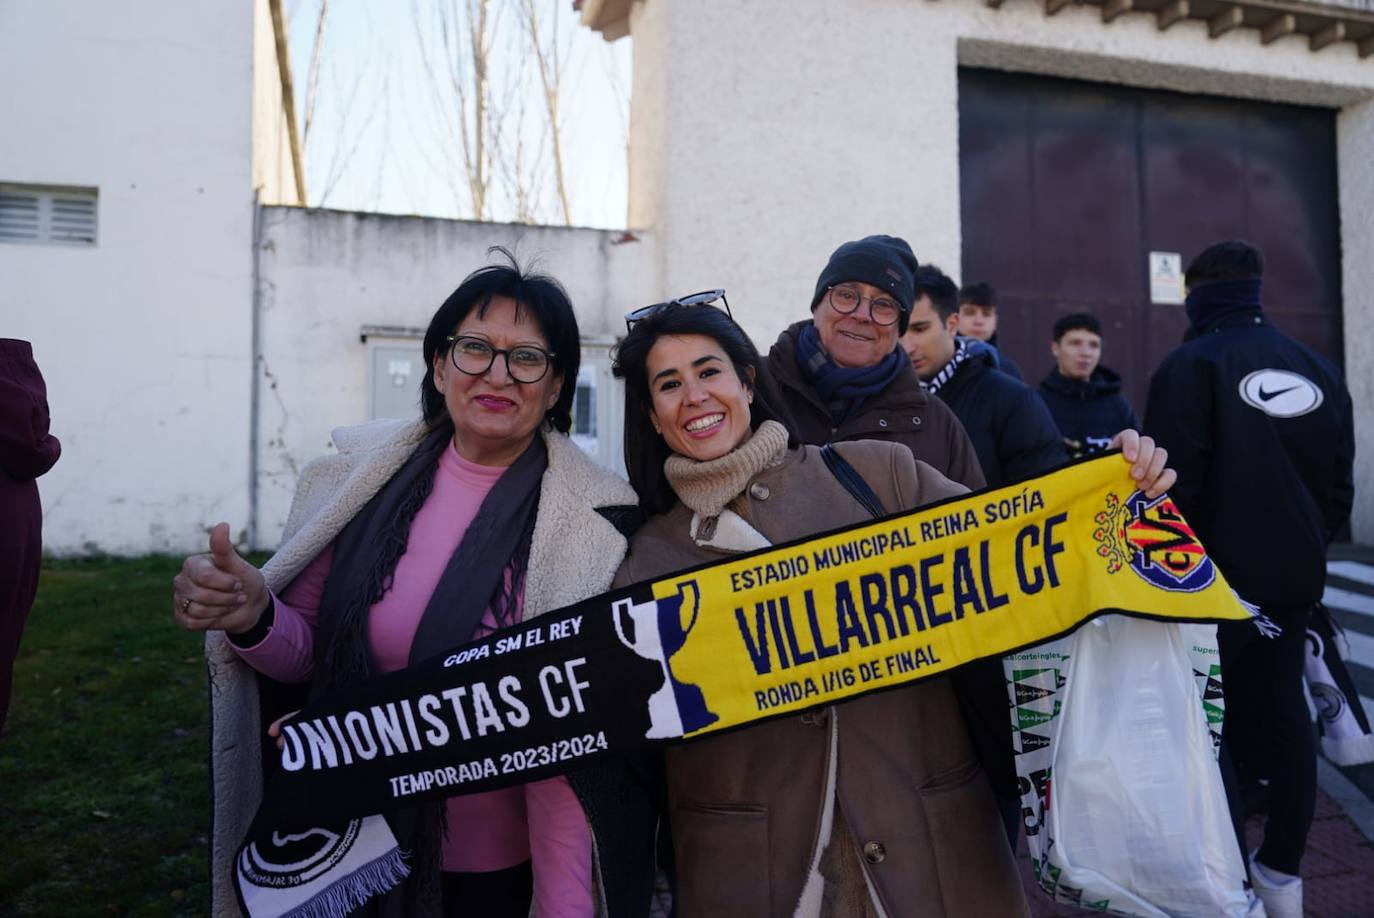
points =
(1266, 396)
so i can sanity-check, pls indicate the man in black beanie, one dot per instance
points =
(842, 375)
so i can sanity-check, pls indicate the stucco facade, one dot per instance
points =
(765, 133)
(194, 360)
(144, 337)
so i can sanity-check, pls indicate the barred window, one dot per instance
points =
(52, 216)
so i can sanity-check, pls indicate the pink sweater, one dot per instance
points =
(541, 821)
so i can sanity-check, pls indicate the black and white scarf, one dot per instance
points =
(336, 870)
(934, 384)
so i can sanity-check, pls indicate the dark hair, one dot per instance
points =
(943, 292)
(979, 294)
(539, 294)
(1234, 259)
(1074, 321)
(645, 448)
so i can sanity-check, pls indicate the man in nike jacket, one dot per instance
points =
(1260, 430)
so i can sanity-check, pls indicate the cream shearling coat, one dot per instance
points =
(574, 554)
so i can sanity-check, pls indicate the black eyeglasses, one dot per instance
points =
(704, 298)
(525, 363)
(883, 310)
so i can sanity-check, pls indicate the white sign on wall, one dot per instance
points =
(1166, 278)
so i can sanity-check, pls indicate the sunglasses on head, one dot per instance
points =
(704, 298)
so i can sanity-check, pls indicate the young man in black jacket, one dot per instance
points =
(1014, 437)
(1083, 396)
(1012, 431)
(1260, 431)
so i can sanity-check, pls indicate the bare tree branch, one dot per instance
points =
(550, 62)
(312, 82)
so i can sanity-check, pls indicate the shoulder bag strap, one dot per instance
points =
(853, 482)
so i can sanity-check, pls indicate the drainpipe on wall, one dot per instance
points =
(255, 388)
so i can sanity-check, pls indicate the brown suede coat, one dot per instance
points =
(902, 413)
(914, 814)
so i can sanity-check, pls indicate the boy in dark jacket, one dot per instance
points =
(1083, 396)
(978, 320)
(1012, 431)
(1261, 433)
(1014, 437)
(27, 450)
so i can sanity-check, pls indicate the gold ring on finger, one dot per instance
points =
(185, 604)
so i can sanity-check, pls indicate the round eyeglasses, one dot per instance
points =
(525, 363)
(704, 298)
(881, 309)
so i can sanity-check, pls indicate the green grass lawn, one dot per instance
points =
(104, 778)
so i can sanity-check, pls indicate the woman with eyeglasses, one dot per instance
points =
(873, 807)
(422, 535)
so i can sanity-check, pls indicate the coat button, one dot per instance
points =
(759, 491)
(915, 422)
(882, 422)
(875, 853)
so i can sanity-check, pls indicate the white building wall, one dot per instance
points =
(144, 339)
(326, 274)
(765, 133)
(1355, 152)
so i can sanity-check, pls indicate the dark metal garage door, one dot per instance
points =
(1066, 187)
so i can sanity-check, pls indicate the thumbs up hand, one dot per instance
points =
(218, 591)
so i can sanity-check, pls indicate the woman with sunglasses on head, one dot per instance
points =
(422, 535)
(873, 807)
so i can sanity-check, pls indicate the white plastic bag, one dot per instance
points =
(1123, 802)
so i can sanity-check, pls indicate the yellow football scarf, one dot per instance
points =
(760, 635)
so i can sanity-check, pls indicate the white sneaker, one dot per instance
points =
(1281, 893)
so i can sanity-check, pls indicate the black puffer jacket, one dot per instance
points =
(1005, 363)
(1011, 429)
(1088, 412)
(1260, 431)
(1014, 437)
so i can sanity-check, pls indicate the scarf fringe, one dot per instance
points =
(1266, 625)
(351, 892)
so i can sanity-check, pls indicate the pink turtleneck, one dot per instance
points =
(541, 821)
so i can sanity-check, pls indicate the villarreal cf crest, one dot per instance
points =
(1155, 541)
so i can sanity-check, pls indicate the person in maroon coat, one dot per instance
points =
(27, 450)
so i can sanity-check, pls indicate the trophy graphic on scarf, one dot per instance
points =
(677, 708)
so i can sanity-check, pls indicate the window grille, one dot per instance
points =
(53, 216)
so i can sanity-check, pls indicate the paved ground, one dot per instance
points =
(1338, 871)
(1350, 596)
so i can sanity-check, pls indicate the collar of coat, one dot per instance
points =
(332, 489)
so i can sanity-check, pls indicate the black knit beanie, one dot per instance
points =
(883, 261)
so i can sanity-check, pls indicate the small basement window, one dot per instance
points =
(46, 215)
